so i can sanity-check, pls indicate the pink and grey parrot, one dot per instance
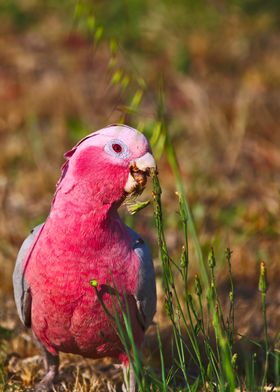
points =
(84, 239)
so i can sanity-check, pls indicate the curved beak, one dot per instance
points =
(140, 169)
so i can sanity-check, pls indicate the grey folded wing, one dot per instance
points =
(146, 296)
(22, 292)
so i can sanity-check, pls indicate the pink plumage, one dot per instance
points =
(84, 238)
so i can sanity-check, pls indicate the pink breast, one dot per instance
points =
(66, 313)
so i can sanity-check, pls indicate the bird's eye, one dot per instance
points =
(117, 148)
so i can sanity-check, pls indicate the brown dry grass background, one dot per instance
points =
(222, 95)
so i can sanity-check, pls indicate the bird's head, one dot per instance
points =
(111, 164)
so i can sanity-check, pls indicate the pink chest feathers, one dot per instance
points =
(67, 312)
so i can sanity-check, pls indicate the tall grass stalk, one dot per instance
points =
(223, 345)
(263, 289)
(184, 205)
(163, 373)
(225, 372)
(168, 278)
(231, 298)
(277, 368)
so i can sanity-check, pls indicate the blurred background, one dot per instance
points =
(210, 68)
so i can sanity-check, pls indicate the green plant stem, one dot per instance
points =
(171, 156)
(231, 298)
(263, 300)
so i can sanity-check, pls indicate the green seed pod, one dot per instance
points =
(93, 283)
(183, 258)
(211, 259)
(234, 359)
(197, 286)
(134, 206)
(231, 296)
(263, 280)
(169, 306)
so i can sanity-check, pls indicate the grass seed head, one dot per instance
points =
(211, 259)
(263, 278)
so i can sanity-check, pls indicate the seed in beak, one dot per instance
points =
(139, 176)
(139, 170)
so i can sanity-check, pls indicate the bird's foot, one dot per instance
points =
(46, 384)
(129, 384)
(51, 364)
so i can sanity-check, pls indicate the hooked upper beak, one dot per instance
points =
(140, 169)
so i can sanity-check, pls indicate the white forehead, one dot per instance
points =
(123, 132)
(130, 136)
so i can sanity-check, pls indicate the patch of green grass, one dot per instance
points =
(206, 339)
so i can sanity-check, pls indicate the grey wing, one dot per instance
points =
(146, 296)
(21, 289)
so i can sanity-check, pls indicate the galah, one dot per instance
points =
(83, 240)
